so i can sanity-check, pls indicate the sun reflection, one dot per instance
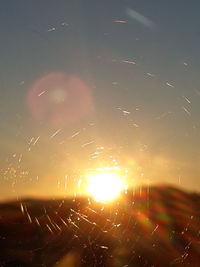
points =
(105, 184)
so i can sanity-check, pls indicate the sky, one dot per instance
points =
(96, 83)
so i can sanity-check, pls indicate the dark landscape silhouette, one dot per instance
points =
(152, 226)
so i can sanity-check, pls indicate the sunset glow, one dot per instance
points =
(105, 185)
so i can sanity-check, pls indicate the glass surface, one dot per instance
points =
(99, 133)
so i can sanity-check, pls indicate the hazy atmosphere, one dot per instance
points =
(88, 84)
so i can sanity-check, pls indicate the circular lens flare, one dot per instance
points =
(59, 99)
(104, 186)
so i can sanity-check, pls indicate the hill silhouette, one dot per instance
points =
(152, 226)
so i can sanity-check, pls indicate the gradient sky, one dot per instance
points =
(142, 78)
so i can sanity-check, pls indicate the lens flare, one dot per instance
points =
(59, 99)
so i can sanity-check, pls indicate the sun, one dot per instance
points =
(104, 185)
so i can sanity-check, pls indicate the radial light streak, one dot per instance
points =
(141, 19)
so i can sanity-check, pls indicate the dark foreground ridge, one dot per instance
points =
(156, 226)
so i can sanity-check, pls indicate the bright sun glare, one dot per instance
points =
(105, 185)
